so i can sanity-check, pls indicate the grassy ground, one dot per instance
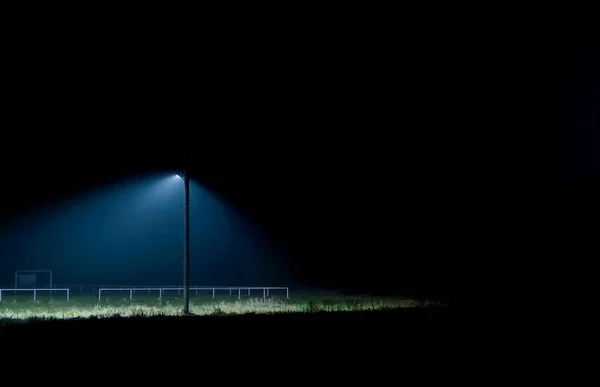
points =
(233, 340)
(21, 306)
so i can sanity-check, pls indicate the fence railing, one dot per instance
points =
(34, 291)
(71, 287)
(265, 290)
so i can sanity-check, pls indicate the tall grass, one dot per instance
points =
(90, 307)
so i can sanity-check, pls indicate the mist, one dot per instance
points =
(131, 233)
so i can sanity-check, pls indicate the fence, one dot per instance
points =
(34, 291)
(161, 290)
(266, 290)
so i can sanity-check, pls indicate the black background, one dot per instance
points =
(382, 149)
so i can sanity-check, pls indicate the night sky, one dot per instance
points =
(377, 156)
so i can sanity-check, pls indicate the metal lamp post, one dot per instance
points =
(186, 244)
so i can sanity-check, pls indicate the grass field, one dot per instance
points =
(54, 306)
(227, 336)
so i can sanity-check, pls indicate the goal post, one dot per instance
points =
(30, 278)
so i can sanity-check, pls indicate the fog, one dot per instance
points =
(131, 233)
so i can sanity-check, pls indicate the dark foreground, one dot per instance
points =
(351, 339)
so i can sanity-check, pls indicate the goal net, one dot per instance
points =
(33, 279)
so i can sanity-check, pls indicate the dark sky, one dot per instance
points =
(378, 151)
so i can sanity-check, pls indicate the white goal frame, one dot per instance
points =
(31, 271)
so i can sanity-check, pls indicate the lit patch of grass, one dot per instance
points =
(89, 307)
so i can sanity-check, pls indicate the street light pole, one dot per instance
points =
(186, 244)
